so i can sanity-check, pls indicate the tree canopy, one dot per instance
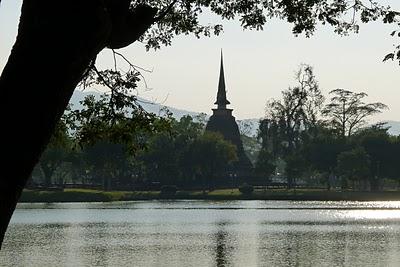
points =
(184, 16)
(313, 137)
(348, 112)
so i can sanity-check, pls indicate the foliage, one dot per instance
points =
(110, 128)
(164, 157)
(294, 132)
(354, 164)
(58, 150)
(287, 120)
(169, 189)
(395, 55)
(161, 159)
(184, 16)
(251, 146)
(381, 148)
(176, 17)
(107, 164)
(347, 111)
(178, 154)
(120, 146)
(321, 153)
(118, 118)
(291, 123)
(295, 167)
(265, 165)
(210, 156)
(108, 119)
(246, 189)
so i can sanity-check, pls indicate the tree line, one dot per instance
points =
(304, 137)
(111, 153)
(327, 139)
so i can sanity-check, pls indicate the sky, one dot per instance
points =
(258, 64)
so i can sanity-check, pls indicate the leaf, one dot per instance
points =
(389, 56)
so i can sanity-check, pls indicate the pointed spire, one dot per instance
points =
(221, 95)
(221, 84)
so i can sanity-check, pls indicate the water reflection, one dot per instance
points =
(329, 248)
(200, 233)
(222, 246)
(94, 249)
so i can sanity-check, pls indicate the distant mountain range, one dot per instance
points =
(394, 127)
(252, 124)
(146, 104)
(247, 126)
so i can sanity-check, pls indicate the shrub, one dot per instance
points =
(169, 189)
(246, 189)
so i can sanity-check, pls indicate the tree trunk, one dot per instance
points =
(55, 44)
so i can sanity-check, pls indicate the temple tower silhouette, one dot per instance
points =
(224, 123)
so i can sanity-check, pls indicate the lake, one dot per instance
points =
(204, 233)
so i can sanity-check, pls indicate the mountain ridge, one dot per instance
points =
(246, 126)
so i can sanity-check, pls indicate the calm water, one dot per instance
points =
(204, 233)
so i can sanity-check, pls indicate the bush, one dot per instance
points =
(246, 189)
(169, 189)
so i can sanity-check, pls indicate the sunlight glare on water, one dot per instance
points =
(204, 233)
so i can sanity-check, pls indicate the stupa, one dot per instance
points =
(223, 122)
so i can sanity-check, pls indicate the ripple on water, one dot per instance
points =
(204, 233)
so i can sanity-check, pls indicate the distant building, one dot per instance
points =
(224, 123)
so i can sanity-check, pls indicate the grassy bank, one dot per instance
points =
(88, 195)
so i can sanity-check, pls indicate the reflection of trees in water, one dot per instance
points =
(94, 248)
(310, 248)
(223, 248)
(30, 243)
(59, 244)
(355, 246)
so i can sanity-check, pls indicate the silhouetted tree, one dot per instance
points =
(379, 145)
(347, 111)
(265, 163)
(210, 156)
(296, 113)
(56, 153)
(108, 163)
(289, 121)
(164, 157)
(354, 165)
(161, 159)
(321, 152)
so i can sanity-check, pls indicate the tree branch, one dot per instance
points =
(166, 11)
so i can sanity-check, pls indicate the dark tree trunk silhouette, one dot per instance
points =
(56, 42)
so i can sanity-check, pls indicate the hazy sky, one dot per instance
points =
(258, 65)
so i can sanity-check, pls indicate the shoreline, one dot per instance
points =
(88, 195)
